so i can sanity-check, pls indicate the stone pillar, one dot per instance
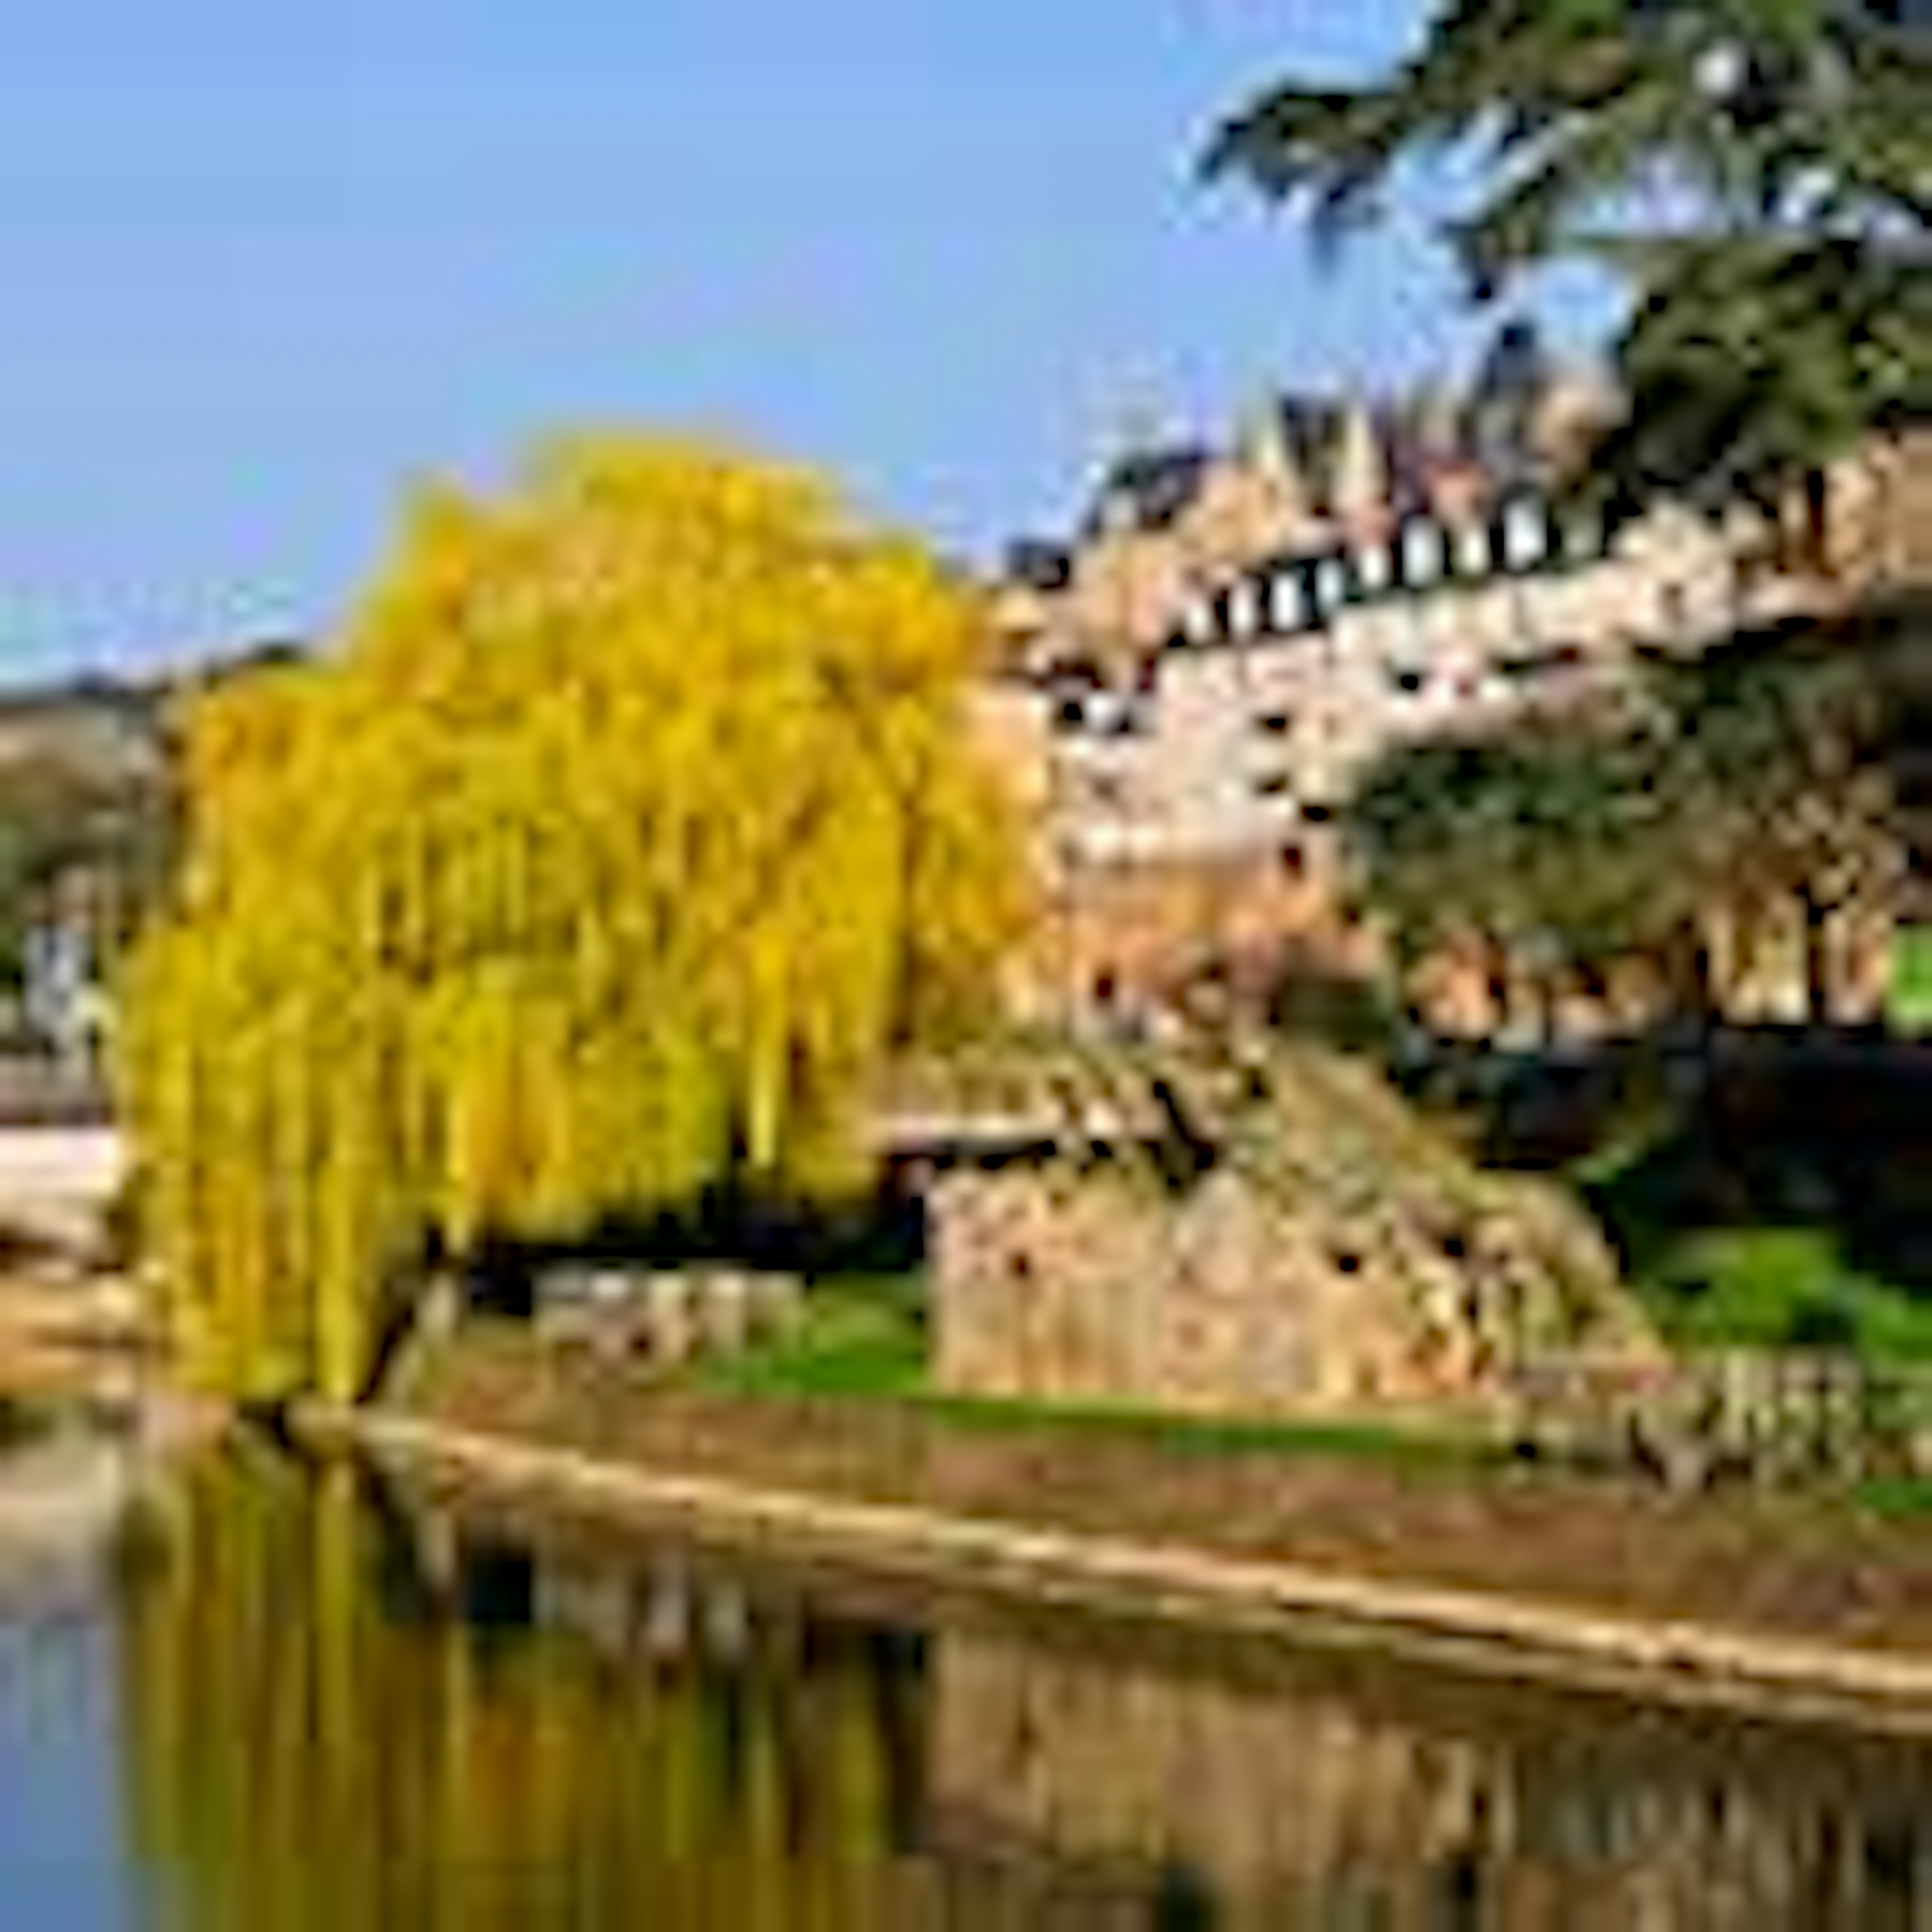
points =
(670, 1325)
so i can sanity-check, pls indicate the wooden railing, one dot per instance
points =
(1767, 1416)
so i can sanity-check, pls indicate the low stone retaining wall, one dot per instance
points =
(673, 1316)
(1490, 1634)
(1769, 1416)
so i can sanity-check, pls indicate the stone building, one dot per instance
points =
(1240, 1229)
(1236, 634)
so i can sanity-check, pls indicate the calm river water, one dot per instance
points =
(277, 1698)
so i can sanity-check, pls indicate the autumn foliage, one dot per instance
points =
(634, 824)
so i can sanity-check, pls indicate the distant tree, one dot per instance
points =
(634, 825)
(1759, 171)
(63, 821)
(1778, 764)
(1538, 843)
(1740, 785)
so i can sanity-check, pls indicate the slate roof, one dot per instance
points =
(1155, 485)
(1039, 564)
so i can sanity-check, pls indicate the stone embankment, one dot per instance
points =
(1747, 1598)
(1682, 1660)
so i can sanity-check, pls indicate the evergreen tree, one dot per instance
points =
(1759, 171)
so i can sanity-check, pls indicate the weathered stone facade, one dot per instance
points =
(1198, 681)
(1302, 1245)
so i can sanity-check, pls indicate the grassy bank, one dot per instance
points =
(1765, 1189)
(836, 1415)
(863, 1339)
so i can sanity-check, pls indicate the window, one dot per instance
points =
(1294, 863)
(1244, 611)
(1525, 535)
(1197, 621)
(1584, 537)
(1474, 554)
(1274, 785)
(1072, 713)
(1410, 681)
(1317, 815)
(1288, 593)
(1276, 723)
(1421, 554)
(1373, 568)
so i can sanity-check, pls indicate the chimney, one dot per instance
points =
(1361, 485)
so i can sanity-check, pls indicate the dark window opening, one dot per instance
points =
(1317, 815)
(1293, 860)
(1410, 680)
(1275, 785)
(1276, 723)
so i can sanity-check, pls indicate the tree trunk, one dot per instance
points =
(1817, 521)
(1692, 991)
(1496, 965)
(1818, 988)
(1550, 988)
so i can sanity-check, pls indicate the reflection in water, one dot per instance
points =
(335, 1715)
(65, 1488)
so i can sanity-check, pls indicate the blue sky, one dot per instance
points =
(261, 266)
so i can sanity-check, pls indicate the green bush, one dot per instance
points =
(1908, 1005)
(1781, 1288)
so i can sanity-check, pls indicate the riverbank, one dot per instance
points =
(1807, 1607)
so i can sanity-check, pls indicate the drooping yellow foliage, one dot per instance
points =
(636, 822)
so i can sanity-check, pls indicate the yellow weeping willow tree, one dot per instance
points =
(636, 823)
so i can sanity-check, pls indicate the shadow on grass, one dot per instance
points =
(876, 1233)
(1766, 1185)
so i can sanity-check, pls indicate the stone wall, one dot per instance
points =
(1333, 1256)
(1238, 755)
(667, 1316)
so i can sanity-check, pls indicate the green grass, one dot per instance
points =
(858, 1335)
(1908, 1003)
(1896, 1498)
(1780, 1288)
(864, 1340)
(1205, 1435)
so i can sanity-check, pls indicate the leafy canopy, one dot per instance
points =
(1751, 778)
(635, 823)
(1760, 171)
